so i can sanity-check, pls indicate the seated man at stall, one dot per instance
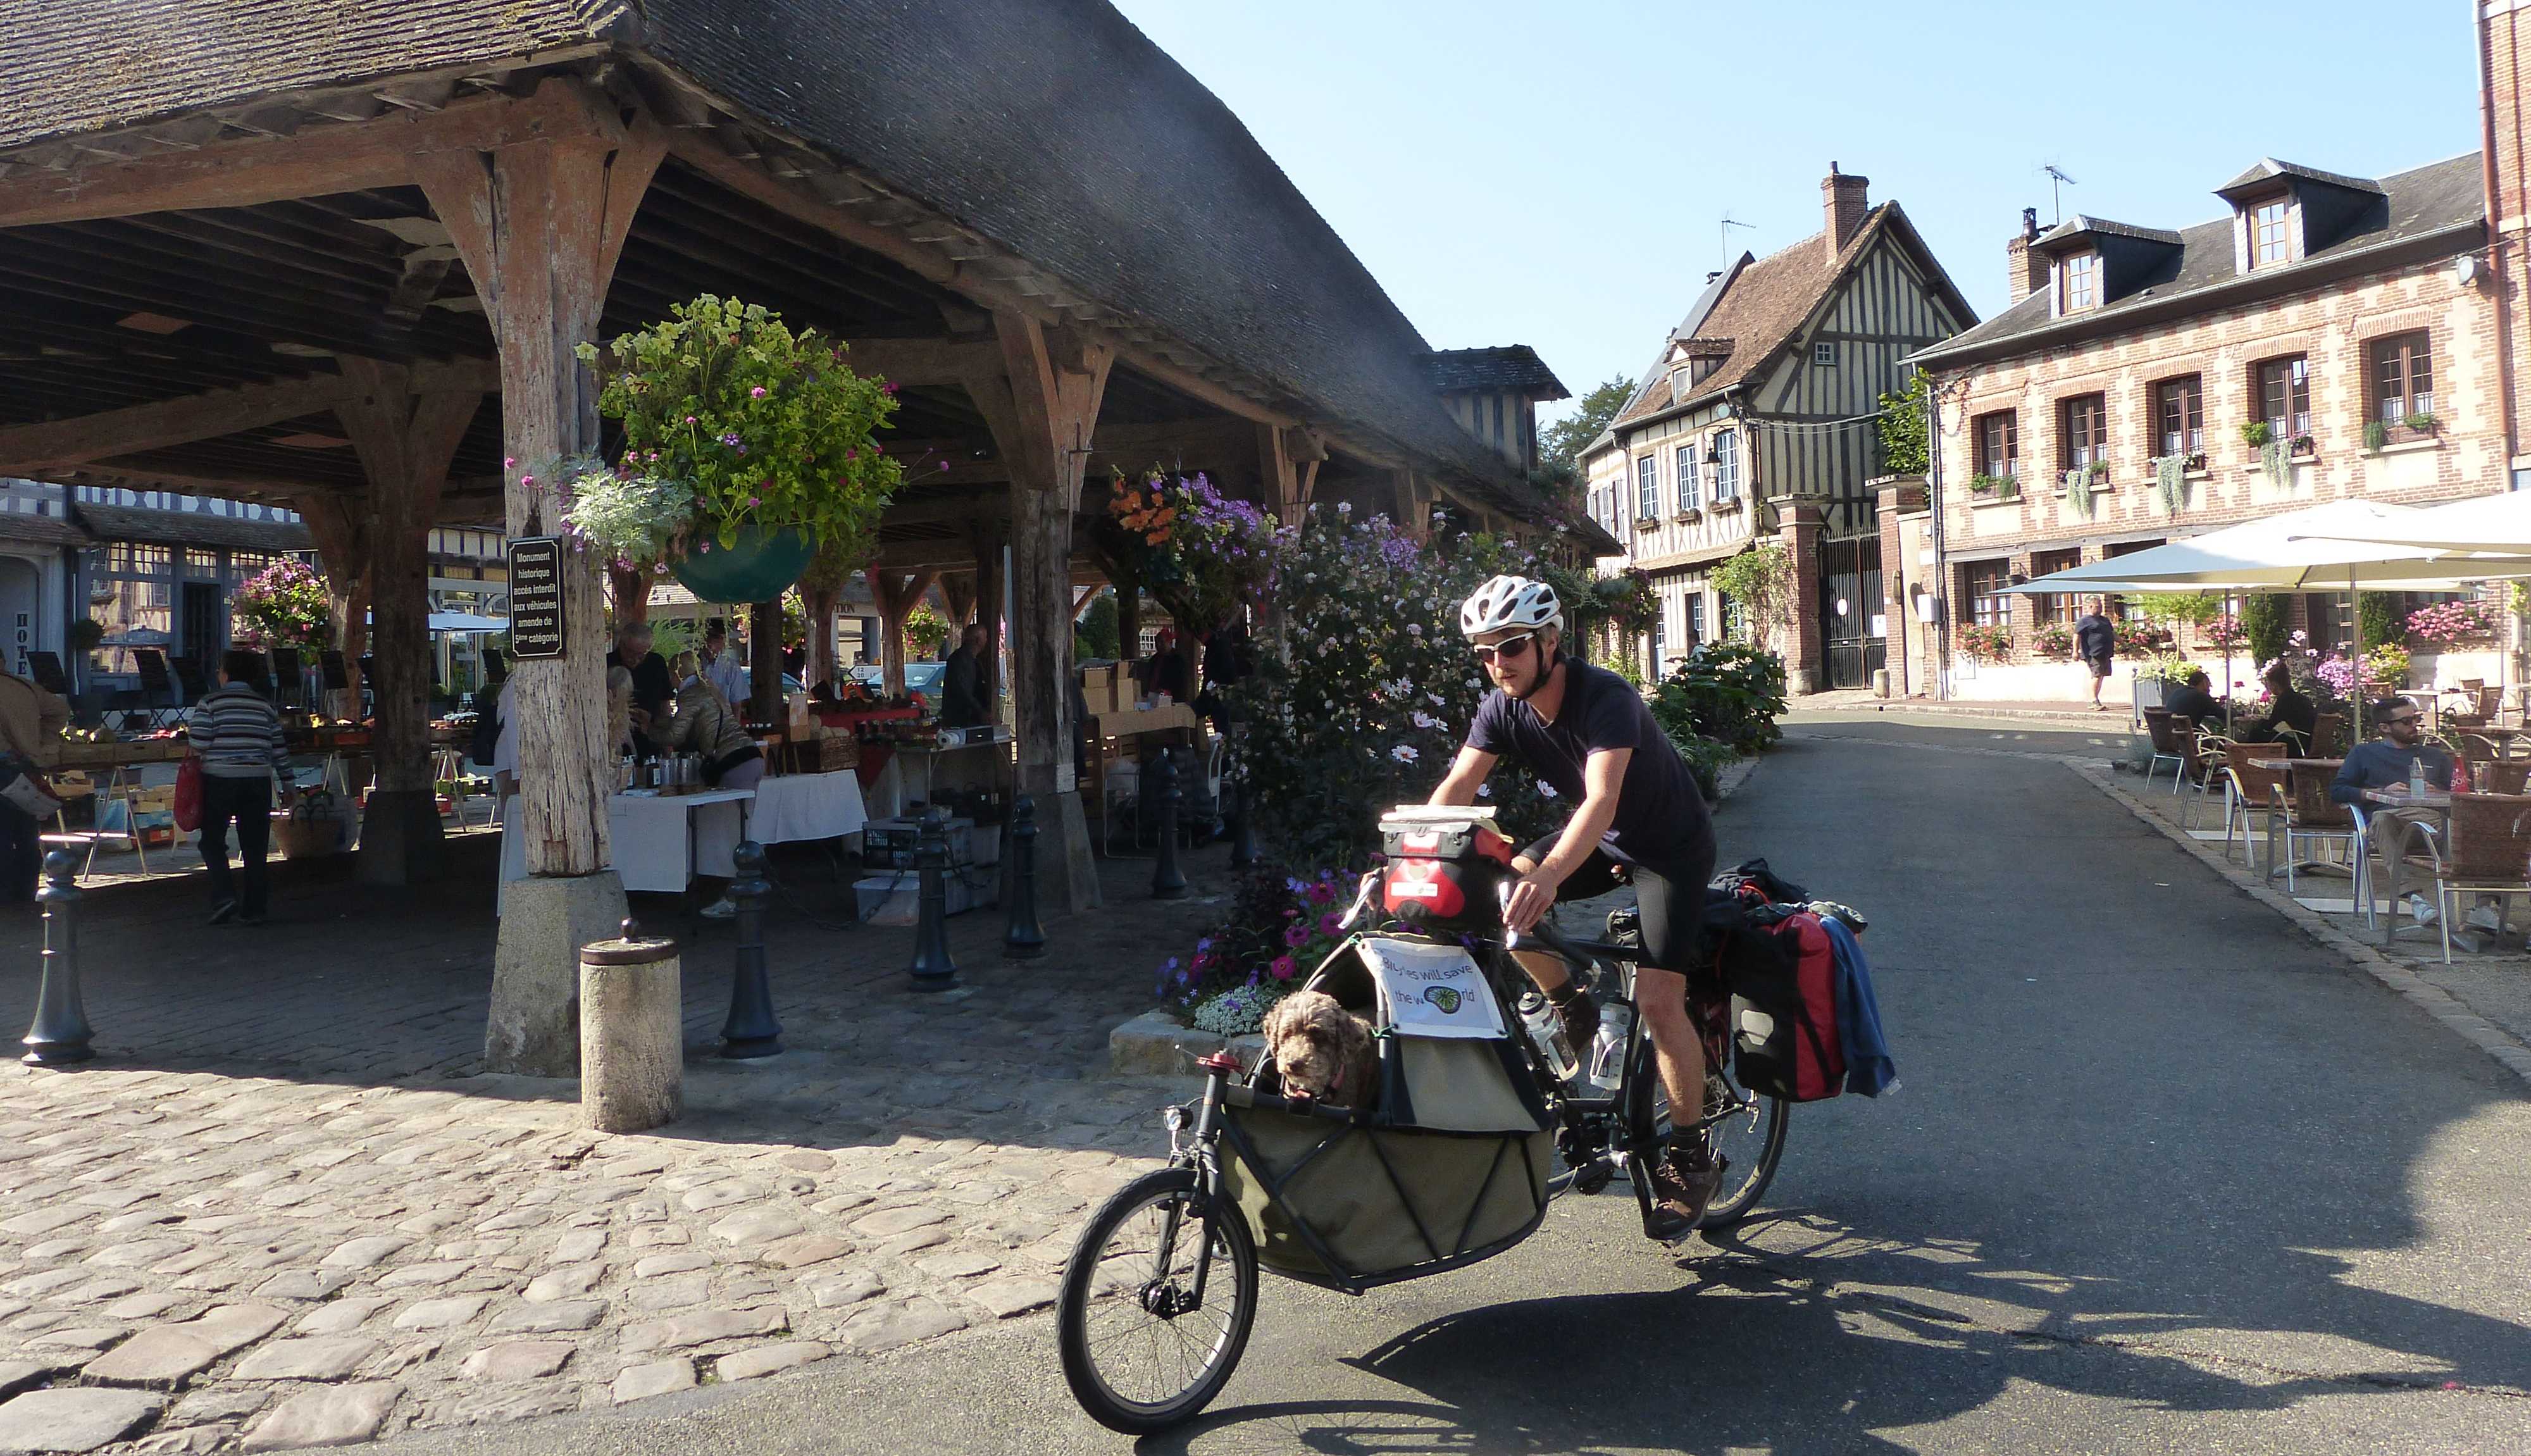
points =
(2291, 718)
(2196, 702)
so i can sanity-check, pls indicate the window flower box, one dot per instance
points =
(1726, 505)
(1688, 514)
(1645, 524)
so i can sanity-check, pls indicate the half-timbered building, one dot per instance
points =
(1755, 422)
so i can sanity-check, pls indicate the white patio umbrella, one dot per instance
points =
(2317, 548)
(2486, 526)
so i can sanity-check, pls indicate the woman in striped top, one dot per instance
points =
(238, 738)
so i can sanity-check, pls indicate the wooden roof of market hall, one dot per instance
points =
(1053, 129)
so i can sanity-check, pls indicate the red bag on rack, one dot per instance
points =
(189, 794)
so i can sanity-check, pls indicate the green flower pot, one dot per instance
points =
(760, 567)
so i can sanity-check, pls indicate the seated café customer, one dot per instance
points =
(2291, 718)
(2384, 761)
(244, 751)
(2194, 702)
(705, 725)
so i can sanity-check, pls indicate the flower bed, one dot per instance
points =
(2449, 624)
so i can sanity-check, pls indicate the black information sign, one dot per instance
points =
(536, 596)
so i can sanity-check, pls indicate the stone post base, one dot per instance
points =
(632, 1036)
(402, 842)
(1067, 875)
(534, 1029)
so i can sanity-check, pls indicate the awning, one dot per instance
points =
(2300, 551)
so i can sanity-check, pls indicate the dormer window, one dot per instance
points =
(2082, 282)
(2271, 232)
(1679, 381)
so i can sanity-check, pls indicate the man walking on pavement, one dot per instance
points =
(2096, 642)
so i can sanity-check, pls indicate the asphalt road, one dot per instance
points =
(2160, 1176)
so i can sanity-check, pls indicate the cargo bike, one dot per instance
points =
(1483, 1116)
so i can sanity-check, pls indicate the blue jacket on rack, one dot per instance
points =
(1867, 1067)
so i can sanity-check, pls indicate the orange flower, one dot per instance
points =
(1166, 514)
(1157, 538)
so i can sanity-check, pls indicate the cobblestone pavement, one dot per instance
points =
(289, 1227)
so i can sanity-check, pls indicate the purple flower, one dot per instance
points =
(757, 393)
(730, 439)
(1285, 968)
(1330, 924)
(1297, 935)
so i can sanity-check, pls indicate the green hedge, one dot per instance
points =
(1731, 693)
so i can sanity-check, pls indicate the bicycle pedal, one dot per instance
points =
(1594, 1176)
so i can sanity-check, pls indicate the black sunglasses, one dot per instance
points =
(1508, 648)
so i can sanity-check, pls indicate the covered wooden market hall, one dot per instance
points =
(338, 257)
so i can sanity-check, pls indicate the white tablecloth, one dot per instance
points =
(806, 806)
(662, 843)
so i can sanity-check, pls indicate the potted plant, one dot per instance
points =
(746, 449)
(1987, 643)
(2376, 434)
(2256, 433)
(2304, 444)
(85, 636)
(2054, 639)
(2002, 487)
(2423, 422)
(283, 606)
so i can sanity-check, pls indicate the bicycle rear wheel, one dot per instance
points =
(1139, 1350)
(1750, 1139)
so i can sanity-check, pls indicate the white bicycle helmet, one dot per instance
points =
(1510, 602)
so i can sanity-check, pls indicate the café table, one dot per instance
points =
(792, 807)
(658, 841)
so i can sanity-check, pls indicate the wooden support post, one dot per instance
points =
(627, 590)
(764, 661)
(820, 608)
(1041, 414)
(405, 442)
(957, 593)
(895, 592)
(338, 526)
(541, 223)
(1129, 622)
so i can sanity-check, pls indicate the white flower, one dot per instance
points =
(1344, 508)
(1484, 791)
(1403, 753)
(1545, 790)
(1426, 720)
(1413, 629)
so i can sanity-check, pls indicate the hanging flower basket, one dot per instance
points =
(759, 566)
(747, 448)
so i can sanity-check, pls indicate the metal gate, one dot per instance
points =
(1849, 581)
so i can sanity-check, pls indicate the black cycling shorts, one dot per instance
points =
(1669, 893)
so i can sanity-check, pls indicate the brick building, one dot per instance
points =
(2326, 336)
(1755, 424)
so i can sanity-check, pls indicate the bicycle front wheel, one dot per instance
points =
(1141, 1349)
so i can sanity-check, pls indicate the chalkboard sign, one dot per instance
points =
(536, 596)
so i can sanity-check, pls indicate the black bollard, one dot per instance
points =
(1166, 882)
(1024, 939)
(750, 1031)
(932, 970)
(60, 1035)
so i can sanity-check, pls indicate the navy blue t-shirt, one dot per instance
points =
(1661, 814)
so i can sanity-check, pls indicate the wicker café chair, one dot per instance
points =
(2509, 776)
(2306, 816)
(2212, 756)
(2486, 855)
(2329, 735)
(2255, 789)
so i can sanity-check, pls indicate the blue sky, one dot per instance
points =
(1554, 173)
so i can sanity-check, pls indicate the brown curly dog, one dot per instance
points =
(1322, 1051)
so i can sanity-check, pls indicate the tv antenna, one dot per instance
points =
(1728, 223)
(2057, 181)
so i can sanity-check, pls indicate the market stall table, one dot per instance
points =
(796, 806)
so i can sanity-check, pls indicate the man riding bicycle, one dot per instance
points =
(1587, 734)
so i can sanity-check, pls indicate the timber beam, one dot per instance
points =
(140, 428)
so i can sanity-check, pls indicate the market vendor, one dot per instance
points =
(654, 691)
(705, 725)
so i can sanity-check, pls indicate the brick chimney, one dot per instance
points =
(1842, 197)
(2026, 274)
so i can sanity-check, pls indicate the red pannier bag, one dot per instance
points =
(1783, 978)
(1442, 873)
